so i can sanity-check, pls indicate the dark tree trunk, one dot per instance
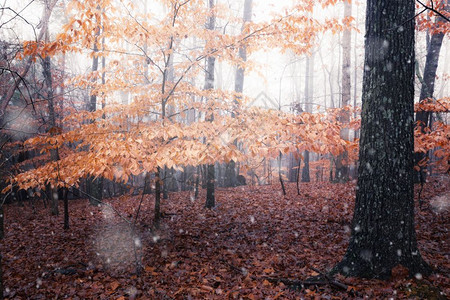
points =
(210, 188)
(157, 214)
(197, 182)
(283, 189)
(305, 171)
(2, 222)
(293, 171)
(383, 234)
(427, 90)
(66, 208)
(54, 153)
(165, 185)
(94, 185)
(1, 278)
(209, 85)
(298, 175)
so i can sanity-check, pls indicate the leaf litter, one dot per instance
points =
(250, 246)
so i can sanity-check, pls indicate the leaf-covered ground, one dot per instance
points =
(254, 237)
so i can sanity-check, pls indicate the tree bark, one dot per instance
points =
(383, 234)
(95, 185)
(157, 213)
(54, 153)
(427, 90)
(209, 85)
(66, 208)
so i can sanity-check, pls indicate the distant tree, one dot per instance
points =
(427, 88)
(383, 234)
(342, 169)
(230, 172)
(95, 185)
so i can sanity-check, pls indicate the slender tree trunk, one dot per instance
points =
(230, 171)
(66, 208)
(427, 90)
(342, 169)
(1, 279)
(305, 171)
(157, 213)
(197, 182)
(309, 83)
(298, 175)
(383, 234)
(209, 85)
(54, 153)
(6, 97)
(95, 185)
(279, 175)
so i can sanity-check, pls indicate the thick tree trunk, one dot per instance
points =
(383, 234)
(342, 169)
(427, 90)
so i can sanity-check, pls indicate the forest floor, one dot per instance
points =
(254, 245)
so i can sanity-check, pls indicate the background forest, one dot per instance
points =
(211, 149)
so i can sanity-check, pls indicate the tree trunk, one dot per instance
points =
(342, 169)
(157, 214)
(427, 90)
(209, 85)
(2, 220)
(383, 234)
(305, 170)
(1, 278)
(280, 178)
(309, 90)
(94, 185)
(54, 153)
(66, 208)
(6, 97)
(230, 171)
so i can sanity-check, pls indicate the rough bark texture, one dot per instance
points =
(383, 233)
(427, 89)
(342, 170)
(209, 84)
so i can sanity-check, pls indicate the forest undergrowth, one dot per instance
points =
(256, 244)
